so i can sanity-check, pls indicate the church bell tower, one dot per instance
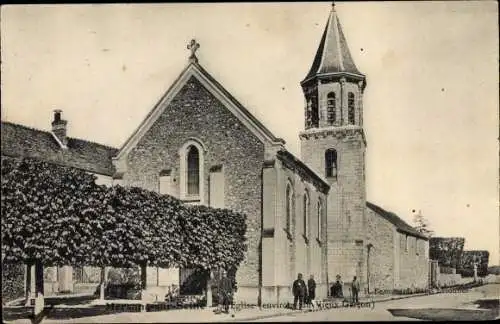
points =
(333, 144)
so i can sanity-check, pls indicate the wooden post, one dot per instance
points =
(104, 279)
(143, 284)
(39, 300)
(39, 278)
(29, 284)
(209, 290)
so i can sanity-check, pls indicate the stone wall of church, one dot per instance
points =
(413, 262)
(381, 267)
(196, 114)
(302, 253)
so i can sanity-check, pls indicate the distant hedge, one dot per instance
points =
(481, 257)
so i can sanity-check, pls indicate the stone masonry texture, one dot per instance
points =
(381, 259)
(196, 113)
(346, 227)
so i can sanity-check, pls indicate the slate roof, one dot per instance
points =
(333, 55)
(400, 224)
(22, 141)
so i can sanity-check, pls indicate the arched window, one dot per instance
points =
(314, 112)
(289, 208)
(306, 215)
(331, 163)
(320, 217)
(331, 108)
(193, 171)
(350, 108)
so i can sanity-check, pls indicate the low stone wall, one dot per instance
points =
(50, 288)
(446, 280)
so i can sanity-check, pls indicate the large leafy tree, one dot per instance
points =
(140, 227)
(47, 212)
(217, 239)
(447, 250)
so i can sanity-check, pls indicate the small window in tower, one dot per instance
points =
(331, 108)
(331, 163)
(350, 107)
(314, 112)
(309, 114)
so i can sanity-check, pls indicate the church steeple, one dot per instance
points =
(333, 144)
(333, 88)
(333, 55)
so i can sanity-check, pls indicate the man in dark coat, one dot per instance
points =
(336, 289)
(299, 291)
(355, 290)
(311, 290)
(225, 289)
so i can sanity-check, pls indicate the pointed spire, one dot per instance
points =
(333, 55)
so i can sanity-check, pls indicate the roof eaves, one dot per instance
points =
(285, 155)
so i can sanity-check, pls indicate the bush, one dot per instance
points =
(12, 281)
(57, 215)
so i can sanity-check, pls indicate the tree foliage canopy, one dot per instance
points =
(447, 250)
(480, 257)
(422, 224)
(60, 216)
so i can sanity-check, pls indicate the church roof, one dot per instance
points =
(333, 55)
(22, 141)
(301, 168)
(400, 224)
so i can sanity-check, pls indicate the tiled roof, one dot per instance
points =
(333, 55)
(22, 141)
(400, 224)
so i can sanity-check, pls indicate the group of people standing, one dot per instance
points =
(336, 290)
(303, 294)
(306, 294)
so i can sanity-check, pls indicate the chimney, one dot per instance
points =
(59, 127)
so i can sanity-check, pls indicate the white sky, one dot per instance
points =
(431, 104)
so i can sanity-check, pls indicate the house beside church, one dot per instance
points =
(305, 215)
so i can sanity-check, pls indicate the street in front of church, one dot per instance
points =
(381, 311)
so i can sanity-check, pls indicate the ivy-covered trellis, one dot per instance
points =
(56, 215)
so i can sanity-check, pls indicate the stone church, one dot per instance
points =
(305, 215)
